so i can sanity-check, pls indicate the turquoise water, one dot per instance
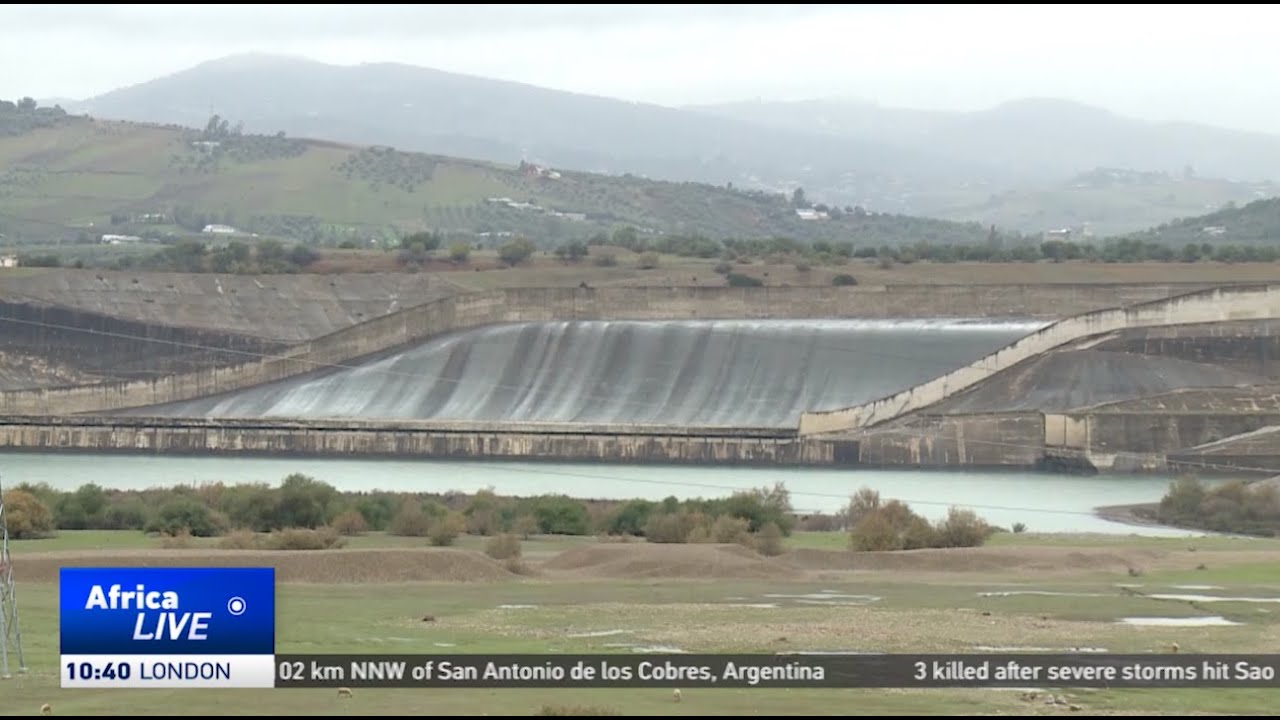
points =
(1044, 503)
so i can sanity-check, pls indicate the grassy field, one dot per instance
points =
(79, 173)
(582, 596)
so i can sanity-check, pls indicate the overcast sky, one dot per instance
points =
(1211, 64)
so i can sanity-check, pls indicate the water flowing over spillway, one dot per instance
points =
(743, 373)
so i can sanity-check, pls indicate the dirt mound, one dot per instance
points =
(293, 566)
(654, 560)
(983, 559)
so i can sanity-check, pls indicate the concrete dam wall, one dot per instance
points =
(285, 309)
(973, 442)
(415, 324)
(693, 373)
(109, 346)
(1216, 305)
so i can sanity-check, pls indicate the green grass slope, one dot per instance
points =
(1257, 223)
(1108, 203)
(74, 179)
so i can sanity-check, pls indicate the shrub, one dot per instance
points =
(630, 517)
(459, 252)
(673, 527)
(179, 540)
(843, 280)
(410, 520)
(526, 526)
(323, 538)
(240, 540)
(483, 513)
(769, 540)
(860, 505)
(962, 528)
(503, 547)
(445, 529)
(561, 515)
(189, 514)
(605, 260)
(350, 522)
(1019, 527)
(28, 518)
(728, 529)
(723, 268)
(759, 506)
(891, 526)
(802, 267)
(128, 514)
(647, 261)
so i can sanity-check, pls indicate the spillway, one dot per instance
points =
(741, 373)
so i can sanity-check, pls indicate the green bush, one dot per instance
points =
(561, 515)
(28, 518)
(410, 521)
(190, 515)
(446, 528)
(962, 528)
(630, 517)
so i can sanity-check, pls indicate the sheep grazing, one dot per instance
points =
(344, 692)
(46, 709)
(676, 694)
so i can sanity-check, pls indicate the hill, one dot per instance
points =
(428, 110)
(1254, 224)
(1034, 139)
(74, 179)
(946, 165)
(1105, 202)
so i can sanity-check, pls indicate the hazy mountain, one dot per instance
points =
(428, 110)
(1034, 139)
(949, 165)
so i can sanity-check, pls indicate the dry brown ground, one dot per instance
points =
(484, 271)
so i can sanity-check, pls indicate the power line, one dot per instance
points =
(10, 629)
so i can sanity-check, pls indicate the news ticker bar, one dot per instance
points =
(777, 671)
(684, 671)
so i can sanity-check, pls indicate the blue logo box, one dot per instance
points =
(167, 611)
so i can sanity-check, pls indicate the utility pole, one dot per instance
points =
(10, 629)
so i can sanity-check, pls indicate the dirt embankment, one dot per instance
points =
(645, 560)
(635, 561)
(293, 566)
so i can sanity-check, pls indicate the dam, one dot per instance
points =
(1118, 377)
(712, 373)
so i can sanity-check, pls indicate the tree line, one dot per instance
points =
(759, 518)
